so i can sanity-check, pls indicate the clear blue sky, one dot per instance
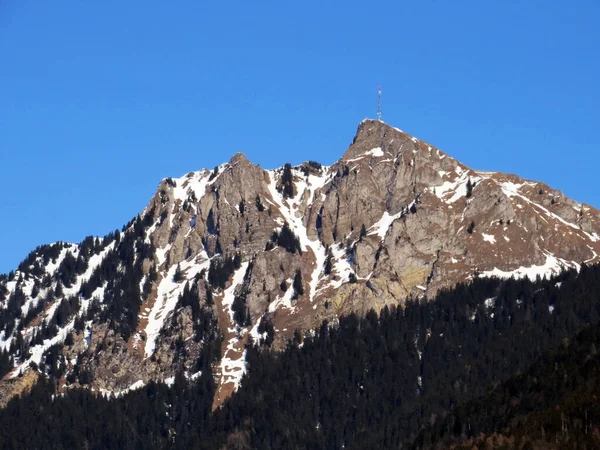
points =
(100, 100)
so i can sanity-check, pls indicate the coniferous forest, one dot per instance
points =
(491, 362)
(554, 401)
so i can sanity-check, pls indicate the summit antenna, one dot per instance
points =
(379, 103)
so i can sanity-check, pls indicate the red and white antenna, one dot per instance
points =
(379, 103)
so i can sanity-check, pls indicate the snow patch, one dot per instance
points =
(552, 266)
(488, 238)
(451, 191)
(233, 369)
(489, 302)
(382, 226)
(115, 394)
(285, 300)
(376, 152)
(161, 254)
(341, 266)
(229, 294)
(256, 336)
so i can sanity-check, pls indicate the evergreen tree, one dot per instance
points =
(363, 231)
(328, 263)
(471, 227)
(287, 239)
(287, 181)
(470, 187)
(297, 285)
(178, 276)
(259, 205)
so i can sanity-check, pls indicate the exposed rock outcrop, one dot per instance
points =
(393, 218)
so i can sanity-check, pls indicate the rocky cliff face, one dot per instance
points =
(239, 253)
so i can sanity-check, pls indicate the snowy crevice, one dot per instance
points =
(289, 209)
(233, 368)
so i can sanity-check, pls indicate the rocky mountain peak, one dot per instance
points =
(240, 253)
(371, 132)
(239, 158)
(378, 134)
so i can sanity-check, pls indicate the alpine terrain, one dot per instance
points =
(223, 259)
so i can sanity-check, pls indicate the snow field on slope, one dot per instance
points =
(285, 300)
(167, 297)
(27, 287)
(38, 351)
(52, 266)
(511, 189)
(229, 293)
(139, 384)
(382, 226)
(232, 369)
(161, 254)
(93, 264)
(196, 184)
(289, 210)
(256, 336)
(458, 187)
(552, 266)
(341, 266)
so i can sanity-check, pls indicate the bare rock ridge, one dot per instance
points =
(220, 257)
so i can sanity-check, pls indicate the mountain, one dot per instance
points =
(220, 259)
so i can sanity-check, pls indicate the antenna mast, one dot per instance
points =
(379, 102)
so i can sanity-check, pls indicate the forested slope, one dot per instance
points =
(554, 404)
(372, 382)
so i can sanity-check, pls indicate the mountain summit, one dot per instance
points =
(222, 257)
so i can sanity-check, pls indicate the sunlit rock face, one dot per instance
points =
(240, 253)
